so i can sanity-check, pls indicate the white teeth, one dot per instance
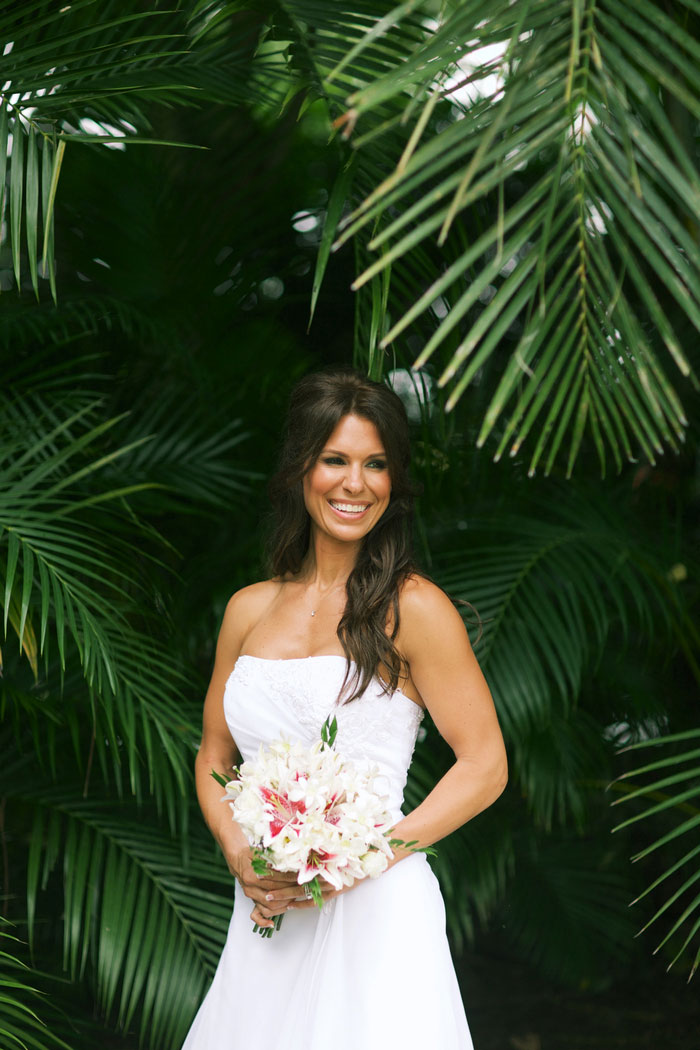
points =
(349, 508)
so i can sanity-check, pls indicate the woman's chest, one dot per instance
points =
(293, 628)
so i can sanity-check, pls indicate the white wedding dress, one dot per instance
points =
(372, 970)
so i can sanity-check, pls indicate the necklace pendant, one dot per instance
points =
(313, 612)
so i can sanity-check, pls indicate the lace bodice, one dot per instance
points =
(266, 699)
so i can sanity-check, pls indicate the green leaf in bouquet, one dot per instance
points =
(329, 731)
(315, 888)
(259, 864)
(413, 846)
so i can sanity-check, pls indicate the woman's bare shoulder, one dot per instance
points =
(245, 608)
(420, 597)
(426, 612)
(263, 590)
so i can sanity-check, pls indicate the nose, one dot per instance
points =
(352, 482)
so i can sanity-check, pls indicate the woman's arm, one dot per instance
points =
(218, 752)
(445, 672)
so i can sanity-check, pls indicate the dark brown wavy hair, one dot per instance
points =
(318, 403)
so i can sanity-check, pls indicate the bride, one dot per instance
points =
(347, 624)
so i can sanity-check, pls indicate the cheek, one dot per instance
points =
(384, 489)
(314, 483)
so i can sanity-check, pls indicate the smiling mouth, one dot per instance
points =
(349, 508)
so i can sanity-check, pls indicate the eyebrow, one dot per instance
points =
(337, 452)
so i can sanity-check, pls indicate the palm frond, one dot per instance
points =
(192, 462)
(668, 789)
(592, 261)
(68, 576)
(547, 589)
(146, 926)
(566, 910)
(21, 1027)
(557, 765)
(334, 50)
(548, 594)
(24, 328)
(73, 77)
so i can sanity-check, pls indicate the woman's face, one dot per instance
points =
(347, 490)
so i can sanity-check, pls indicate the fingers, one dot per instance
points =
(276, 879)
(327, 892)
(289, 893)
(301, 902)
(273, 897)
(269, 911)
(275, 903)
(259, 919)
(268, 882)
(267, 901)
(292, 898)
(260, 889)
(265, 880)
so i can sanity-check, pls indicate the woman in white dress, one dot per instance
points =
(346, 624)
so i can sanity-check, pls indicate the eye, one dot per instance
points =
(377, 464)
(333, 460)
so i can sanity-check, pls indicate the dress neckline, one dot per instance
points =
(293, 659)
(318, 656)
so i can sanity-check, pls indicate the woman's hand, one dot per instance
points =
(277, 893)
(281, 894)
(295, 898)
(270, 893)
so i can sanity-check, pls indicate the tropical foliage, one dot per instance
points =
(560, 90)
(684, 821)
(512, 189)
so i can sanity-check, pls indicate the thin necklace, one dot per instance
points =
(320, 600)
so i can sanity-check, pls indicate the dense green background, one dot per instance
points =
(140, 418)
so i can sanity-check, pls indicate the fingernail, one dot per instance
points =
(268, 897)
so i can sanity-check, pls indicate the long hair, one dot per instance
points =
(318, 403)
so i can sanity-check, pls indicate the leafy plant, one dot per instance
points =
(21, 1027)
(587, 261)
(103, 715)
(84, 74)
(670, 792)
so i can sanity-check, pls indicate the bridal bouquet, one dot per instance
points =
(308, 811)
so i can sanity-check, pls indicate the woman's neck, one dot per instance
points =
(328, 562)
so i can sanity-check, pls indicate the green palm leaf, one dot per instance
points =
(67, 583)
(47, 325)
(600, 252)
(548, 594)
(79, 75)
(147, 926)
(21, 1027)
(565, 911)
(190, 460)
(668, 789)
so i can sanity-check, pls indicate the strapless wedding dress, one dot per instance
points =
(372, 970)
